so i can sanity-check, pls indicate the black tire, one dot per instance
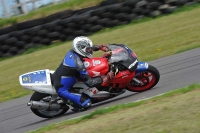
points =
(93, 19)
(41, 113)
(155, 13)
(65, 21)
(72, 25)
(36, 39)
(58, 28)
(86, 26)
(108, 2)
(169, 10)
(17, 33)
(122, 17)
(181, 2)
(148, 83)
(68, 31)
(63, 37)
(8, 29)
(107, 15)
(98, 11)
(82, 17)
(5, 48)
(65, 13)
(51, 18)
(191, 3)
(50, 25)
(146, 12)
(13, 50)
(132, 16)
(1, 54)
(153, 5)
(29, 45)
(171, 2)
(42, 32)
(96, 28)
(123, 22)
(20, 44)
(70, 37)
(21, 51)
(85, 10)
(114, 7)
(8, 55)
(4, 37)
(25, 38)
(79, 33)
(53, 35)
(32, 31)
(142, 3)
(125, 9)
(59, 15)
(163, 7)
(103, 21)
(137, 10)
(131, 3)
(11, 40)
(30, 23)
(45, 41)
(112, 23)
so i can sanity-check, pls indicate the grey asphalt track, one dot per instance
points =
(176, 71)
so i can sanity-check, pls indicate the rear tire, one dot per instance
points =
(150, 78)
(45, 113)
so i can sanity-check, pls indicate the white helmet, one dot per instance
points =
(83, 46)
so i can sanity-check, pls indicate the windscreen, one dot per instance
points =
(118, 53)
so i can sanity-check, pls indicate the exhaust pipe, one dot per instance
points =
(44, 105)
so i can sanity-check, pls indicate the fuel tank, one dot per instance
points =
(96, 66)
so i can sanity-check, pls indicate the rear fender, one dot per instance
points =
(39, 81)
(142, 66)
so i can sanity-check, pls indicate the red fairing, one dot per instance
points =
(96, 66)
(121, 80)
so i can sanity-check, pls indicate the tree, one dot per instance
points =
(19, 7)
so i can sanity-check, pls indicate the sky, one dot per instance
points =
(10, 3)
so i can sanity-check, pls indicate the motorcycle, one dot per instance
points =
(133, 75)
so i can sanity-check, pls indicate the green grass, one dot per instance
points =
(174, 112)
(150, 40)
(48, 10)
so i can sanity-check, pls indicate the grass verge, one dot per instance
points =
(173, 112)
(153, 39)
(48, 10)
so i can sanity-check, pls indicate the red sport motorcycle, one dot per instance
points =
(132, 75)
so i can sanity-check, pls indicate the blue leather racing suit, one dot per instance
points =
(65, 77)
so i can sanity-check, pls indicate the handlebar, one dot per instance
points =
(108, 54)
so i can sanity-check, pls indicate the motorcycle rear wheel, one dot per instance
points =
(42, 112)
(149, 78)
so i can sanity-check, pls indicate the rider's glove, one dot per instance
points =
(104, 47)
(110, 76)
(114, 69)
(107, 55)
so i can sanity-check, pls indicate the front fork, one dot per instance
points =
(142, 66)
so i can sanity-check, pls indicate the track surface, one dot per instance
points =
(176, 71)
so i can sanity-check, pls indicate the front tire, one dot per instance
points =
(149, 78)
(42, 112)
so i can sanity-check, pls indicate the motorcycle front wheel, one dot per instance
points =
(43, 112)
(148, 79)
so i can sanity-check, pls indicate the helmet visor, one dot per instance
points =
(89, 50)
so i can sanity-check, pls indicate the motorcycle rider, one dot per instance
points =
(72, 67)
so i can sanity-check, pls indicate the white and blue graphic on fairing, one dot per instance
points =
(35, 77)
(142, 66)
(39, 81)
